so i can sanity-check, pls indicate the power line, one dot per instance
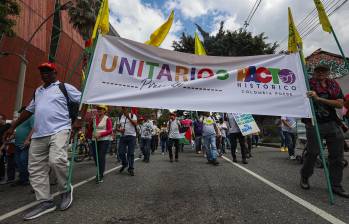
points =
(252, 13)
(331, 13)
(314, 22)
(312, 15)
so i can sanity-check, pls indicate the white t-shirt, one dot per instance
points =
(127, 125)
(223, 128)
(174, 129)
(291, 121)
(232, 125)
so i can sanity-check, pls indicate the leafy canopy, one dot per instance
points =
(8, 10)
(227, 43)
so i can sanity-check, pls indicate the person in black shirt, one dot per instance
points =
(327, 96)
(3, 128)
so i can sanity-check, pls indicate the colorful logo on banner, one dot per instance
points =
(266, 81)
(266, 75)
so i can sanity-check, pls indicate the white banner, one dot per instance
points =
(246, 123)
(127, 73)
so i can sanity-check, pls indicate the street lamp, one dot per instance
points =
(23, 64)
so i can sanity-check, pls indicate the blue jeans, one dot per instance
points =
(198, 143)
(127, 146)
(163, 143)
(282, 138)
(211, 149)
(290, 142)
(21, 158)
(145, 146)
(223, 144)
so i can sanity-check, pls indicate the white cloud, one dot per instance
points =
(136, 21)
(230, 23)
(270, 18)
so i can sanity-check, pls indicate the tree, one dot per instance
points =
(227, 43)
(165, 116)
(8, 10)
(83, 16)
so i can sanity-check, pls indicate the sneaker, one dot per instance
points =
(235, 160)
(163, 153)
(292, 157)
(282, 149)
(286, 149)
(122, 169)
(131, 172)
(340, 192)
(39, 210)
(244, 161)
(215, 162)
(100, 181)
(66, 199)
(140, 156)
(304, 183)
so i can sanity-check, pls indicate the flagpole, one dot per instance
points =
(340, 48)
(70, 169)
(317, 132)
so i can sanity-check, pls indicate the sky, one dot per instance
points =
(137, 19)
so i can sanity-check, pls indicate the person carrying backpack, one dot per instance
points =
(54, 107)
(209, 133)
(128, 129)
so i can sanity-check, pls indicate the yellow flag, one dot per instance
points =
(83, 76)
(102, 21)
(199, 48)
(326, 25)
(294, 39)
(158, 36)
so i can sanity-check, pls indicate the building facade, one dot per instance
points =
(68, 46)
(338, 70)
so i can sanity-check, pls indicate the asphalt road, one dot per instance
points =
(190, 191)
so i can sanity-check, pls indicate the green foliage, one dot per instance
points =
(227, 43)
(165, 116)
(83, 16)
(150, 113)
(8, 9)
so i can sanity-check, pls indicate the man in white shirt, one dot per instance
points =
(49, 144)
(127, 144)
(174, 136)
(289, 129)
(146, 129)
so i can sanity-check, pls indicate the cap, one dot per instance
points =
(103, 107)
(47, 65)
(321, 67)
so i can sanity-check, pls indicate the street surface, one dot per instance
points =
(191, 191)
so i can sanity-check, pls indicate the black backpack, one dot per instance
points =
(73, 107)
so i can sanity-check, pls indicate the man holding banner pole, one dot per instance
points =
(327, 96)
